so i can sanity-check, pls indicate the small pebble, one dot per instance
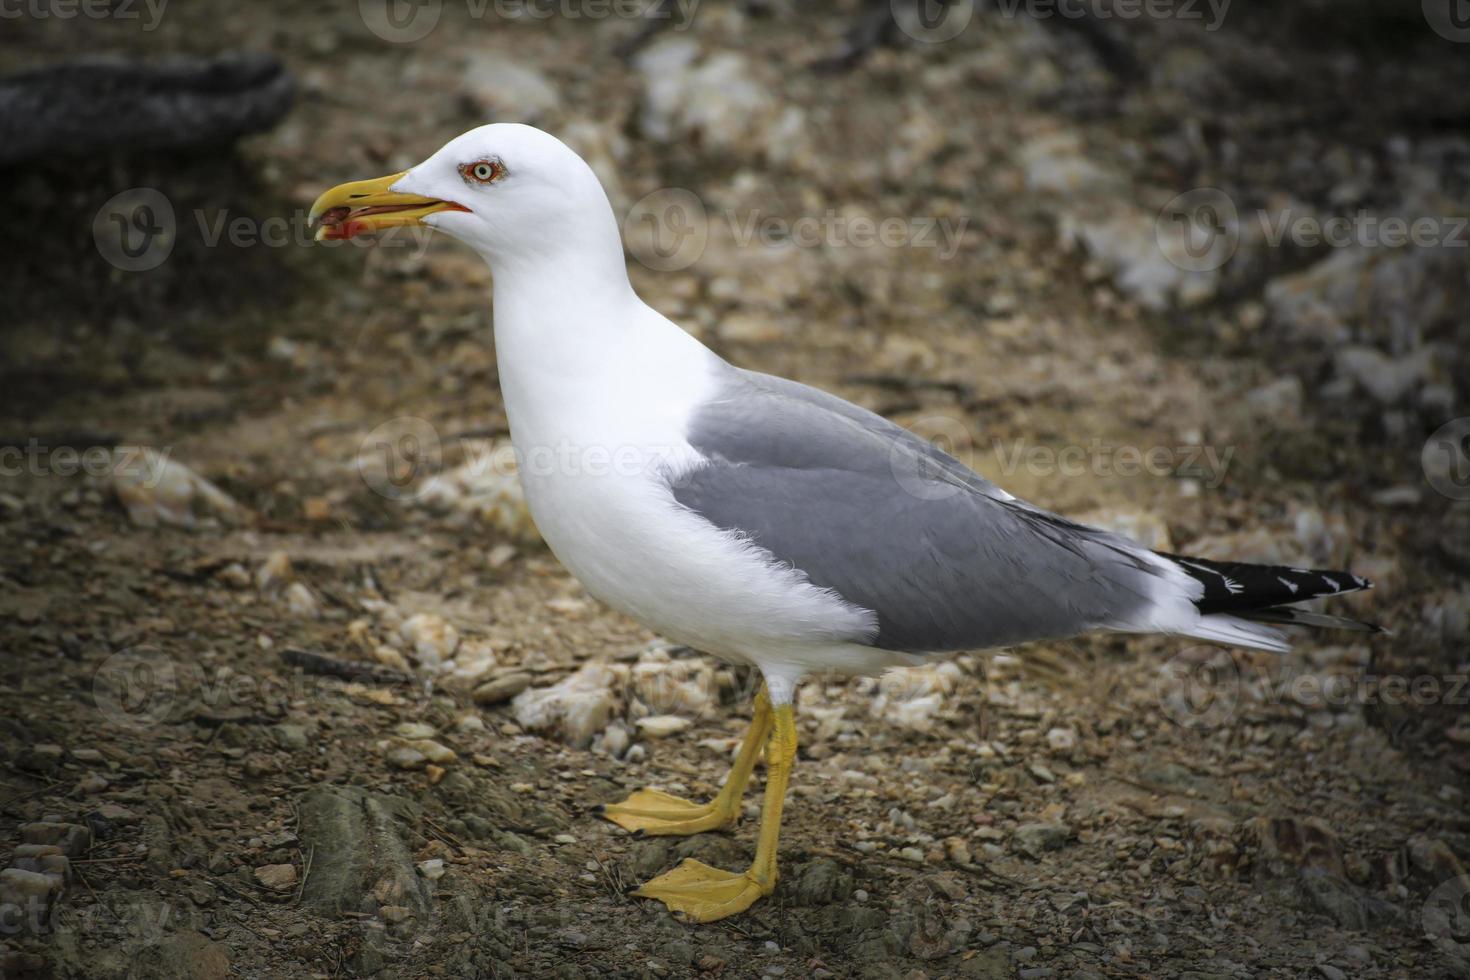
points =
(277, 877)
(404, 757)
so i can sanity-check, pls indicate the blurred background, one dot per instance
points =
(293, 687)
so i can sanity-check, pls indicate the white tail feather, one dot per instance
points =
(1236, 632)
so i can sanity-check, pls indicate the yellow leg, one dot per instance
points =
(698, 893)
(656, 813)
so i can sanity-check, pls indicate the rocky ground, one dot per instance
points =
(296, 690)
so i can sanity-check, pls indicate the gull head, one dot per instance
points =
(511, 192)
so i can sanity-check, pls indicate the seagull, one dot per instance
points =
(755, 518)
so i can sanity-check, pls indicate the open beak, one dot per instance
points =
(348, 210)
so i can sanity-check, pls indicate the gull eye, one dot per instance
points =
(481, 171)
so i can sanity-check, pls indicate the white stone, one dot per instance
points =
(301, 602)
(433, 639)
(275, 570)
(675, 687)
(719, 100)
(505, 89)
(156, 489)
(662, 726)
(1061, 739)
(574, 709)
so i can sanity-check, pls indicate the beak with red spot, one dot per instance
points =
(349, 210)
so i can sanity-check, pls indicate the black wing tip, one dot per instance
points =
(1238, 587)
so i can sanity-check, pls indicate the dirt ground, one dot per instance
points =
(286, 723)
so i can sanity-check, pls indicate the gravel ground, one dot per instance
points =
(297, 691)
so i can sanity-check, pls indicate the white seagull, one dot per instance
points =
(755, 518)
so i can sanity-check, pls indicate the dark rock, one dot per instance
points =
(1032, 839)
(819, 882)
(1280, 844)
(188, 956)
(1346, 904)
(90, 107)
(73, 839)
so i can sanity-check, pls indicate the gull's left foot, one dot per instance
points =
(660, 814)
(698, 893)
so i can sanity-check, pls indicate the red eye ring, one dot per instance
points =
(482, 171)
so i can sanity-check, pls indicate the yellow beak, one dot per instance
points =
(348, 210)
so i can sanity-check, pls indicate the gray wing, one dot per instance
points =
(946, 559)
